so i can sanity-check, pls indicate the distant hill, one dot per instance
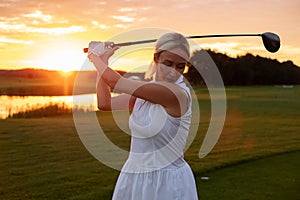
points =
(39, 82)
(50, 74)
(27, 73)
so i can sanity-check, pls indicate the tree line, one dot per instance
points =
(242, 70)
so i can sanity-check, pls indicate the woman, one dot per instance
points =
(159, 123)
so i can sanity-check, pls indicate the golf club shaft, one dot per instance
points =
(85, 50)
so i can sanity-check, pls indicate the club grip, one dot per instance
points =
(85, 50)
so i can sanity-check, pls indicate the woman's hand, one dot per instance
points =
(104, 50)
(111, 48)
(96, 48)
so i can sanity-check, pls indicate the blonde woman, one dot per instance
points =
(159, 122)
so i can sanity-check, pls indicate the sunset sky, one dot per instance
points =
(52, 33)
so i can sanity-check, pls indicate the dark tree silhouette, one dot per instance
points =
(243, 70)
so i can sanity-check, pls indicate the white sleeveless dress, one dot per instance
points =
(155, 168)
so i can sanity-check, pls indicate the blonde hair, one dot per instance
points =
(172, 42)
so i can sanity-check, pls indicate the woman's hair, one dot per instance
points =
(172, 42)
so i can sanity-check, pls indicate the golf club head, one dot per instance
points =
(271, 41)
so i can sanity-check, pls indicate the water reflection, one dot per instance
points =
(14, 104)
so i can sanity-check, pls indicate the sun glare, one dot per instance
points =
(66, 73)
(62, 56)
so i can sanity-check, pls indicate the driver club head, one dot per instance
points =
(271, 41)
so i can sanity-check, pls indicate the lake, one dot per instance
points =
(14, 104)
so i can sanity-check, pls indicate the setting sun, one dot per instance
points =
(61, 55)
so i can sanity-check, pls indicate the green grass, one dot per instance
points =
(256, 156)
(45, 159)
(275, 177)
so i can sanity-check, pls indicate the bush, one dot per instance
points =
(45, 111)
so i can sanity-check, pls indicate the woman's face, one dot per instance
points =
(169, 66)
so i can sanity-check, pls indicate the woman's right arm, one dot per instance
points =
(103, 95)
(106, 102)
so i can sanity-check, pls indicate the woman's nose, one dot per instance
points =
(173, 71)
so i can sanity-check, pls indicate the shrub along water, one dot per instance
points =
(49, 110)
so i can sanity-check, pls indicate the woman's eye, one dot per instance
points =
(182, 66)
(167, 63)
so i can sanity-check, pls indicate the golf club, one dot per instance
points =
(271, 41)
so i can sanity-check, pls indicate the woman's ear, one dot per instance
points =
(187, 67)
